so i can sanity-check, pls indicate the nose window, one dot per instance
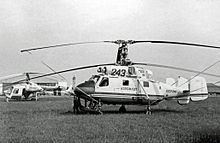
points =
(16, 91)
(95, 78)
(104, 82)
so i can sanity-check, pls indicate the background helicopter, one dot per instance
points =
(23, 90)
(29, 90)
(125, 82)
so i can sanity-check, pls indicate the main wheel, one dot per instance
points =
(122, 109)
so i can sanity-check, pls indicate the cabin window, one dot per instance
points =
(16, 91)
(147, 75)
(125, 82)
(146, 84)
(104, 82)
(131, 71)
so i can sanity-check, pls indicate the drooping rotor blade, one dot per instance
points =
(72, 69)
(147, 64)
(176, 68)
(217, 82)
(23, 80)
(62, 71)
(92, 66)
(175, 43)
(63, 45)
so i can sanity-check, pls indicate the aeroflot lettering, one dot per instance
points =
(129, 88)
(171, 91)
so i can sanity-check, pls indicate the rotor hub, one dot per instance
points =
(122, 55)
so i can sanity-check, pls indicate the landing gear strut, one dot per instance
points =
(122, 109)
(148, 110)
(93, 107)
(7, 100)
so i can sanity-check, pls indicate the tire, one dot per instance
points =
(122, 109)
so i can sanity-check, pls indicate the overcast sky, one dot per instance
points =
(34, 23)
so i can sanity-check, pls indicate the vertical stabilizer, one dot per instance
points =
(198, 89)
(183, 85)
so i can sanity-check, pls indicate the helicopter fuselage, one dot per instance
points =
(125, 85)
(20, 91)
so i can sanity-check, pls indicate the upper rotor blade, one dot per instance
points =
(61, 45)
(176, 43)
(176, 68)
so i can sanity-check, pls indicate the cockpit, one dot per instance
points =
(104, 82)
(95, 78)
(101, 81)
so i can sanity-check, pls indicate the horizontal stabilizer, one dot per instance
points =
(198, 89)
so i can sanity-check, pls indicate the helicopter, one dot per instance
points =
(28, 90)
(127, 83)
(23, 90)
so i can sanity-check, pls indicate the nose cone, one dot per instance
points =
(87, 87)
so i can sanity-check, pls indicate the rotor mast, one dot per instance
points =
(122, 55)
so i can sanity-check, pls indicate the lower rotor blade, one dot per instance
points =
(63, 71)
(72, 69)
(175, 68)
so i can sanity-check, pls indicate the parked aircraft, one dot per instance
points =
(27, 90)
(125, 82)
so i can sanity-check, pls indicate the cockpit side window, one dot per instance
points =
(125, 82)
(95, 78)
(104, 82)
(146, 84)
(16, 91)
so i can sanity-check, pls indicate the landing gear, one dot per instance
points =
(99, 106)
(7, 100)
(122, 109)
(36, 97)
(93, 107)
(148, 110)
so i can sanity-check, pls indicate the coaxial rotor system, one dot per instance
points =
(122, 54)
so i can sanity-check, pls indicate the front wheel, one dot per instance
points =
(7, 100)
(122, 109)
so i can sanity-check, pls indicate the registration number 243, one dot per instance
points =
(114, 71)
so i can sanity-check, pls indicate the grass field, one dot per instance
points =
(51, 120)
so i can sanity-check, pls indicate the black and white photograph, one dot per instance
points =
(110, 71)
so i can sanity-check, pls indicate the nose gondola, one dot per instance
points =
(84, 90)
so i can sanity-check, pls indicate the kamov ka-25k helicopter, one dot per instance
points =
(126, 83)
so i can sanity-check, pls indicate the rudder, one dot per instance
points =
(198, 89)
